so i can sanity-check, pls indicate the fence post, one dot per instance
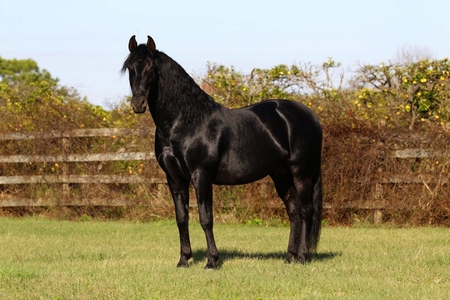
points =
(378, 195)
(65, 169)
(377, 217)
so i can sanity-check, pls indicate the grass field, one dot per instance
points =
(47, 259)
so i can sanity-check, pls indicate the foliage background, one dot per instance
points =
(366, 114)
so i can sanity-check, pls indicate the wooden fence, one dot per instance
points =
(65, 179)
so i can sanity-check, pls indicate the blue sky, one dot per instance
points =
(84, 43)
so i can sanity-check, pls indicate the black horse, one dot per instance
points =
(201, 142)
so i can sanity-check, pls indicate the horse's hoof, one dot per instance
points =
(302, 259)
(183, 264)
(212, 263)
(210, 267)
(290, 258)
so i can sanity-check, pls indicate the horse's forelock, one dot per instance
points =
(141, 52)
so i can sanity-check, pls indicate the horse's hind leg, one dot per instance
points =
(295, 191)
(286, 190)
(303, 199)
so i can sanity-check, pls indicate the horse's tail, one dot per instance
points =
(317, 212)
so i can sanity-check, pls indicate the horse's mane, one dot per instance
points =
(175, 83)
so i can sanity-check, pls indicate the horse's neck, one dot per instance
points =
(179, 101)
(182, 114)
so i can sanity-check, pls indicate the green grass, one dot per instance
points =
(47, 259)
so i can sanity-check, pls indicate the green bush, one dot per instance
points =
(32, 100)
(415, 92)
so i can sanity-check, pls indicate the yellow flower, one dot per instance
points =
(408, 108)
(405, 80)
(423, 80)
(442, 78)
(419, 94)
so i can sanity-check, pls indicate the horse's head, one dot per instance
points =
(142, 72)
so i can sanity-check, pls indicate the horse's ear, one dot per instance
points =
(132, 43)
(151, 44)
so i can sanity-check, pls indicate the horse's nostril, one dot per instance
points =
(138, 102)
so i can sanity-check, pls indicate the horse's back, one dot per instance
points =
(299, 121)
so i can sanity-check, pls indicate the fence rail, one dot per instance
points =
(420, 153)
(33, 179)
(77, 157)
(91, 132)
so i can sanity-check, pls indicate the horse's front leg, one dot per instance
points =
(203, 188)
(180, 195)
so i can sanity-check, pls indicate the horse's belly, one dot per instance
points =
(237, 171)
(232, 179)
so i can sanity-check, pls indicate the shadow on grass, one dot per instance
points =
(199, 256)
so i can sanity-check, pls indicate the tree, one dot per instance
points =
(24, 71)
(409, 54)
(31, 99)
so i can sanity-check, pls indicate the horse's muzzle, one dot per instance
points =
(139, 104)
